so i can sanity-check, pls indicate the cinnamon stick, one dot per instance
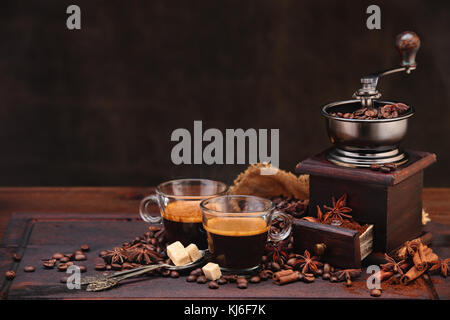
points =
(424, 257)
(282, 273)
(383, 275)
(294, 276)
(411, 275)
(418, 258)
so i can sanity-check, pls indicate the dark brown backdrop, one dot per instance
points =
(97, 106)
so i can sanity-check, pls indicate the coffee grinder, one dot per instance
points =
(392, 201)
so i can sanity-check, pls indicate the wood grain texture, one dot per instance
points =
(436, 201)
(38, 235)
(342, 245)
(319, 166)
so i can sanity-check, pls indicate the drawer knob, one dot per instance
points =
(319, 249)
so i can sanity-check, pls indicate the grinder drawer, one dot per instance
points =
(345, 248)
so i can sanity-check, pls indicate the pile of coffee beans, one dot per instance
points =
(291, 205)
(147, 249)
(387, 111)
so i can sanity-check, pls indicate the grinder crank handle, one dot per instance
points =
(407, 44)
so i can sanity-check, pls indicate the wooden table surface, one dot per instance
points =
(92, 200)
(48, 208)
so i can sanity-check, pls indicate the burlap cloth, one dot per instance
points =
(252, 182)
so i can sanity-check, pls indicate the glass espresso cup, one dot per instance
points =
(179, 204)
(238, 228)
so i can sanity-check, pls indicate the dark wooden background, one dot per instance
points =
(97, 106)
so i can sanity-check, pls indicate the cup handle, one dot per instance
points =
(286, 231)
(145, 215)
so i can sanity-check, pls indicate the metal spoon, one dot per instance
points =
(100, 283)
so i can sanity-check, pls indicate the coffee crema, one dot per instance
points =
(237, 243)
(183, 211)
(183, 222)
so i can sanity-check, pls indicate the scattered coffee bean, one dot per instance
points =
(16, 257)
(375, 292)
(57, 256)
(69, 255)
(242, 283)
(191, 278)
(375, 166)
(308, 277)
(174, 274)
(391, 166)
(62, 266)
(10, 274)
(275, 266)
(326, 276)
(264, 275)
(49, 264)
(127, 266)
(213, 285)
(78, 252)
(80, 257)
(64, 259)
(326, 268)
(84, 248)
(100, 267)
(83, 269)
(197, 272)
(116, 266)
(255, 279)
(385, 169)
(230, 278)
(165, 273)
(29, 269)
(70, 263)
(201, 279)
(291, 261)
(222, 281)
(103, 253)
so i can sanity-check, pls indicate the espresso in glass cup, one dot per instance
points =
(179, 204)
(238, 228)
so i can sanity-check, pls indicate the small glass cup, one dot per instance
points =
(179, 204)
(238, 228)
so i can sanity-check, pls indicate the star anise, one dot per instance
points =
(338, 211)
(307, 264)
(442, 266)
(116, 255)
(277, 251)
(348, 275)
(143, 255)
(392, 265)
(318, 219)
